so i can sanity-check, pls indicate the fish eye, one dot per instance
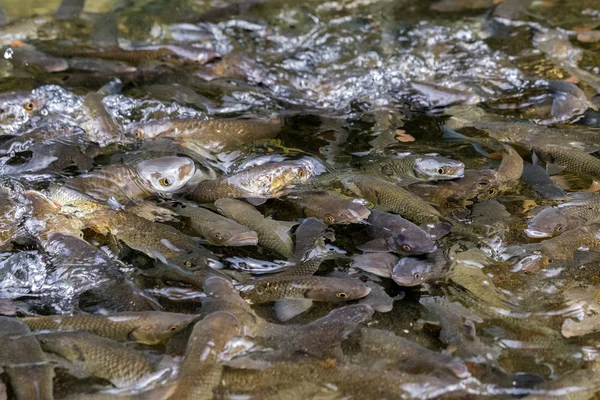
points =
(342, 295)
(559, 228)
(441, 170)
(173, 328)
(165, 182)
(44, 341)
(329, 219)
(482, 184)
(218, 236)
(219, 210)
(416, 275)
(492, 191)
(300, 173)
(29, 106)
(139, 133)
(243, 265)
(406, 247)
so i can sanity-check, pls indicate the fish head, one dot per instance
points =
(61, 343)
(232, 208)
(412, 242)
(159, 327)
(166, 174)
(234, 237)
(438, 168)
(355, 212)
(338, 289)
(150, 130)
(410, 271)
(547, 223)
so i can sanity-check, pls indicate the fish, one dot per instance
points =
(563, 247)
(510, 169)
(50, 219)
(214, 228)
(476, 185)
(414, 271)
(330, 208)
(208, 137)
(405, 169)
(458, 329)
(23, 360)
(27, 56)
(102, 66)
(146, 327)
(560, 158)
(389, 197)
(158, 241)
(159, 176)
(538, 180)
(208, 340)
(273, 235)
(257, 267)
(98, 356)
(380, 264)
(257, 183)
(92, 273)
(554, 221)
(100, 126)
(389, 232)
(26, 139)
(460, 5)
(295, 294)
(322, 337)
(440, 96)
(408, 355)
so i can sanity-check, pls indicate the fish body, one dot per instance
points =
(98, 356)
(23, 361)
(147, 327)
(410, 356)
(201, 368)
(389, 197)
(414, 271)
(538, 180)
(572, 160)
(406, 169)
(393, 233)
(270, 180)
(216, 229)
(274, 235)
(510, 169)
(553, 221)
(329, 208)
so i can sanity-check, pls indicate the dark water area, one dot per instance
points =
(351, 199)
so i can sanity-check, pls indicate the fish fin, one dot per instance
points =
(554, 169)
(69, 9)
(286, 309)
(256, 201)
(283, 229)
(379, 245)
(405, 181)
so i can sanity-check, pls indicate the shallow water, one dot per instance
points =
(350, 81)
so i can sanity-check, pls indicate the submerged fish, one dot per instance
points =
(99, 356)
(295, 294)
(389, 197)
(159, 176)
(409, 168)
(393, 233)
(151, 327)
(563, 247)
(274, 235)
(413, 271)
(569, 159)
(270, 180)
(553, 221)
(408, 355)
(329, 208)
(215, 228)
(538, 180)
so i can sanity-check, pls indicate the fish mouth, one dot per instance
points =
(243, 239)
(532, 233)
(404, 281)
